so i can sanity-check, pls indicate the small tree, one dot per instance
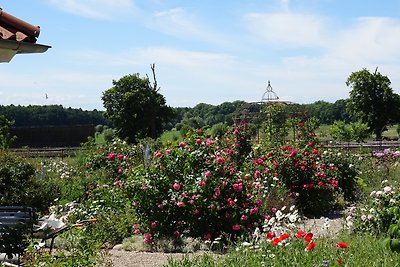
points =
(136, 107)
(357, 131)
(340, 131)
(372, 100)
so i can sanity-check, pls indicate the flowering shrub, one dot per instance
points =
(315, 177)
(116, 159)
(379, 213)
(197, 188)
(385, 160)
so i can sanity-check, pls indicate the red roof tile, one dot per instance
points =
(12, 28)
(17, 37)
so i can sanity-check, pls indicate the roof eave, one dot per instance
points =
(9, 48)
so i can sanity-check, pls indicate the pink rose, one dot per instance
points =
(182, 144)
(236, 227)
(176, 186)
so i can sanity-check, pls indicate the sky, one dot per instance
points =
(205, 51)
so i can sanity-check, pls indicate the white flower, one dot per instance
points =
(246, 244)
(293, 218)
(363, 217)
(283, 208)
(387, 189)
(371, 210)
(378, 193)
(372, 193)
(292, 208)
(279, 215)
(352, 209)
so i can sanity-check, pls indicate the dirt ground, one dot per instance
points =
(118, 257)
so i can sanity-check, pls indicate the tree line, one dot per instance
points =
(54, 115)
(199, 116)
(136, 109)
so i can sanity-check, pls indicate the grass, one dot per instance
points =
(361, 251)
(171, 136)
(323, 132)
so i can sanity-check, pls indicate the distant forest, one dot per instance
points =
(54, 115)
(199, 116)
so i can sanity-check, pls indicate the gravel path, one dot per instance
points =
(120, 258)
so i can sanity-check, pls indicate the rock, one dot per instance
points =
(118, 247)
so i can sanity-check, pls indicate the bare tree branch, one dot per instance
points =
(153, 70)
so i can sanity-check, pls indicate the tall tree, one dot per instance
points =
(372, 100)
(136, 107)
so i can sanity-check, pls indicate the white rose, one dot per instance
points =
(387, 189)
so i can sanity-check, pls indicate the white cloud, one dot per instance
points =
(371, 40)
(288, 29)
(98, 9)
(179, 23)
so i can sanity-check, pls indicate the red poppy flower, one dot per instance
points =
(308, 237)
(342, 245)
(283, 236)
(310, 246)
(270, 235)
(275, 241)
(340, 261)
(300, 234)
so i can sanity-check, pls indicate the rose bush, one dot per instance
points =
(197, 188)
(316, 177)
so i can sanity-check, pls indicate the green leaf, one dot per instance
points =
(395, 245)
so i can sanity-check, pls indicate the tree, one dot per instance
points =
(136, 107)
(5, 136)
(372, 100)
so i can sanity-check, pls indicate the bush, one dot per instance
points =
(19, 186)
(114, 159)
(315, 177)
(379, 213)
(113, 211)
(197, 188)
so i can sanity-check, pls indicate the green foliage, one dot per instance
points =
(362, 251)
(19, 186)
(340, 131)
(108, 135)
(5, 137)
(356, 131)
(196, 188)
(315, 177)
(185, 129)
(274, 127)
(79, 250)
(34, 115)
(113, 159)
(372, 100)
(113, 211)
(136, 109)
(328, 113)
(218, 130)
(379, 213)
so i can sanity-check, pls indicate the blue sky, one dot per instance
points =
(205, 51)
